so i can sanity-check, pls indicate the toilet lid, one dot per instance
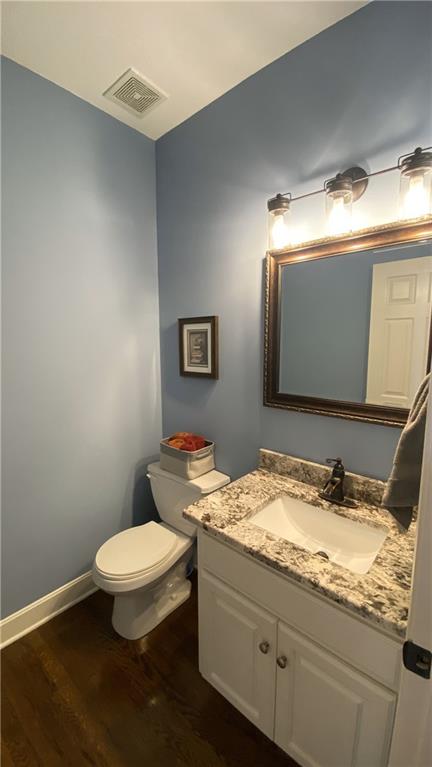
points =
(135, 550)
(205, 484)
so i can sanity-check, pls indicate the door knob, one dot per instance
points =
(264, 647)
(282, 661)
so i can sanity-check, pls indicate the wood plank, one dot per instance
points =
(75, 693)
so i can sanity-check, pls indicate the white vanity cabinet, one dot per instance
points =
(320, 709)
(238, 651)
(327, 713)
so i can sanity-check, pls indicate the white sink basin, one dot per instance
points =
(350, 544)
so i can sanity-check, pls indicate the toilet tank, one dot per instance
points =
(172, 494)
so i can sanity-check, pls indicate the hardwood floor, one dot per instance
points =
(74, 693)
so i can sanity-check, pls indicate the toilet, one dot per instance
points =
(144, 568)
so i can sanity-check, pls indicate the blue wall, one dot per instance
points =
(81, 385)
(325, 320)
(360, 92)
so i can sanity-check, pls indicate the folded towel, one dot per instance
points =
(403, 485)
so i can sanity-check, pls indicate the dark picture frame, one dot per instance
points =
(366, 239)
(198, 346)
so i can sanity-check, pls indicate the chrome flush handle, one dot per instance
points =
(264, 647)
(282, 661)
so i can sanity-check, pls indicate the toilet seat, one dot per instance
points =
(135, 551)
(115, 583)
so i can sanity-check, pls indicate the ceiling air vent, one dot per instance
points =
(134, 93)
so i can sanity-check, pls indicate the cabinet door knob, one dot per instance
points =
(282, 661)
(264, 647)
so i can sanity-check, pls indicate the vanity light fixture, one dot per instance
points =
(339, 195)
(347, 187)
(278, 224)
(416, 183)
(341, 192)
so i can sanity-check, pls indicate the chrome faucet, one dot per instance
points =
(333, 489)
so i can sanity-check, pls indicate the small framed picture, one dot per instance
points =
(198, 346)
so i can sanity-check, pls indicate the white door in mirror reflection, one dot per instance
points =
(399, 331)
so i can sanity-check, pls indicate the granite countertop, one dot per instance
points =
(381, 596)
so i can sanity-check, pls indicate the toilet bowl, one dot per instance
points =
(144, 568)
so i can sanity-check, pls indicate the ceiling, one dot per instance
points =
(194, 51)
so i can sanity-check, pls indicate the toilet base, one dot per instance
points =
(136, 613)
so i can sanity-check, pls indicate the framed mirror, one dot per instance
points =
(348, 323)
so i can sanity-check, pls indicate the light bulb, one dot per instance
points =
(416, 201)
(280, 232)
(339, 220)
(416, 184)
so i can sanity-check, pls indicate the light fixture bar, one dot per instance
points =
(355, 181)
(344, 189)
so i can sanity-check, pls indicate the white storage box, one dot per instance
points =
(184, 463)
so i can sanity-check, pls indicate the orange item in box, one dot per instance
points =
(178, 443)
(185, 440)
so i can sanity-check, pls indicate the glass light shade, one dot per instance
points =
(415, 197)
(339, 209)
(278, 229)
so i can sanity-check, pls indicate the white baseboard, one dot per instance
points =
(30, 617)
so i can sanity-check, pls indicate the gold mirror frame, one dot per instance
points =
(399, 233)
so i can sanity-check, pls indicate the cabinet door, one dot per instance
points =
(237, 644)
(328, 714)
